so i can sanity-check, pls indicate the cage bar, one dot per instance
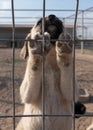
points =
(13, 61)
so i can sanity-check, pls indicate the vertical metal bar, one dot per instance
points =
(82, 43)
(43, 69)
(73, 57)
(64, 23)
(82, 24)
(13, 61)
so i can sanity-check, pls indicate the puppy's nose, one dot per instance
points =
(52, 17)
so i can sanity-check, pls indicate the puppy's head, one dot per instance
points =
(53, 25)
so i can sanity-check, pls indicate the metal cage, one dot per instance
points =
(13, 116)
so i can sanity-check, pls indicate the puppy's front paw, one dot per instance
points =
(64, 49)
(40, 44)
(64, 44)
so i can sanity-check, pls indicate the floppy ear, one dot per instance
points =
(37, 36)
(24, 50)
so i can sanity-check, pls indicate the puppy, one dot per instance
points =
(58, 67)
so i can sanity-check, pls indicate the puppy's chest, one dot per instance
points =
(52, 80)
(52, 88)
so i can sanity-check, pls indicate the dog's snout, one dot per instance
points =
(52, 17)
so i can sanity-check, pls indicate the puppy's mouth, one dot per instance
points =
(53, 31)
(54, 26)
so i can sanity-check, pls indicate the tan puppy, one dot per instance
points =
(58, 80)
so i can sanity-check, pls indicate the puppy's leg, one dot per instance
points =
(64, 60)
(31, 85)
(90, 127)
(19, 126)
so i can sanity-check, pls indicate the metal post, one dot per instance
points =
(13, 61)
(64, 23)
(82, 43)
(73, 57)
(43, 68)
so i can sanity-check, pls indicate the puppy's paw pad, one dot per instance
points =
(39, 42)
(64, 44)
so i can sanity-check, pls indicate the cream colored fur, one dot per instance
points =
(91, 126)
(58, 88)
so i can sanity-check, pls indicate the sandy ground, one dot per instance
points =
(84, 72)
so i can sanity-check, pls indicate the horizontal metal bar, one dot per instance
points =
(39, 115)
(52, 40)
(86, 18)
(49, 115)
(72, 10)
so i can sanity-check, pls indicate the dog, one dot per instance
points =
(58, 67)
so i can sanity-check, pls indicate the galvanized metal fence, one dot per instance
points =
(13, 116)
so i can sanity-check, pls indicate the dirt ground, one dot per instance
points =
(84, 72)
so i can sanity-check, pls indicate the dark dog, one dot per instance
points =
(79, 109)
